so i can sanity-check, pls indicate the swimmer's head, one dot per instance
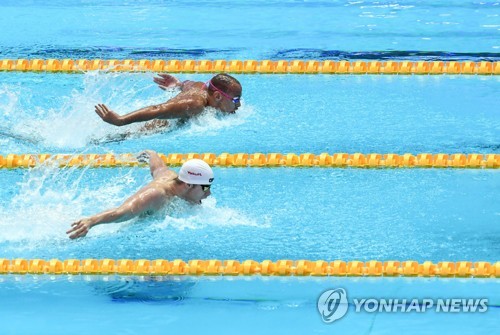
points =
(198, 176)
(226, 92)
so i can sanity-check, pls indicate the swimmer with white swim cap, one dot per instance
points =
(191, 184)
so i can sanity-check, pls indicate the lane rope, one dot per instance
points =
(336, 160)
(216, 267)
(253, 66)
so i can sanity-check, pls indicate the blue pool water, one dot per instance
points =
(262, 29)
(224, 306)
(280, 113)
(254, 213)
(262, 213)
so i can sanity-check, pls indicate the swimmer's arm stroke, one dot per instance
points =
(156, 165)
(173, 109)
(148, 199)
(166, 81)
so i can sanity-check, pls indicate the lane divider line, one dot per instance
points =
(253, 66)
(214, 267)
(336, 160)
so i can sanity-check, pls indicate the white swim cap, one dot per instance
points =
(197, 172)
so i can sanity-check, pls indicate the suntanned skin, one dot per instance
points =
(191, 101)
(150, 198)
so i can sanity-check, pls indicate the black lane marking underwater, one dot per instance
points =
(111, 52)
(116, 52)
(318, 54)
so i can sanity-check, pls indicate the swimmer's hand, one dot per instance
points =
(166, 81)
(80, 228)
(107, 115)
(144, 156)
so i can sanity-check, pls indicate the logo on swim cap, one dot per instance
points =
(197, 172)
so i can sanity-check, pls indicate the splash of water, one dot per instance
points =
(9, 99)
(10, 107)
(74, 124)
(50, 199)
(211, 121)
(181, 215)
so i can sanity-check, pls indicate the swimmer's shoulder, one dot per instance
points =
(196, 95)
(193, 85)
(167, 177)
(164, 184)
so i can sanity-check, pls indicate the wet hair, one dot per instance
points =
(223, 82)
(178, 181)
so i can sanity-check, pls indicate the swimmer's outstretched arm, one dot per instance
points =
(173, 109)
(149, 198)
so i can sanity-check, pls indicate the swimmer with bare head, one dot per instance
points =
(222, 92)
